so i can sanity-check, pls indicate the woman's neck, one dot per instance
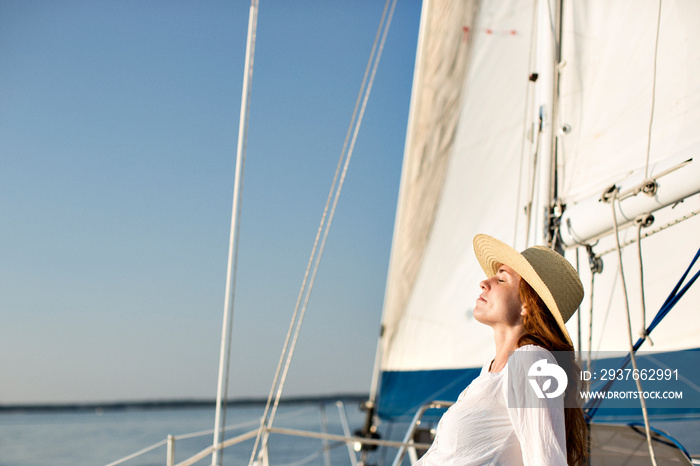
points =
(506, 342)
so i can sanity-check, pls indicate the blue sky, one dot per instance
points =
(118, 122)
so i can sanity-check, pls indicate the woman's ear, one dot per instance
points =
(523, 309)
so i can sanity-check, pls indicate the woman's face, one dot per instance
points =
(499, 302)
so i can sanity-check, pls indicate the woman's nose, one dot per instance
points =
(484, 285)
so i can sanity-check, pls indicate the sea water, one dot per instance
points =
(101, 437)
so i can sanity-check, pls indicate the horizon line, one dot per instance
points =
(172, 403)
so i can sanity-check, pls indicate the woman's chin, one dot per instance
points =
(479, 316)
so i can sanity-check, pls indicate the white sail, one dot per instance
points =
(609, 95)
(465, 134)
(487, 129)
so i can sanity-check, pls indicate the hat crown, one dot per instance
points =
(559, 277)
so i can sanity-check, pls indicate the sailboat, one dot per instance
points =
(557, 123)
(573, 124)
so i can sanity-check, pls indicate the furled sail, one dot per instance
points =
(506, 141)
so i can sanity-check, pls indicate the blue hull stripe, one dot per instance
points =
(403, 393)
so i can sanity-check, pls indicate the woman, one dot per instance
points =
(509, 415)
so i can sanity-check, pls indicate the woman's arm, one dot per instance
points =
(535, 409)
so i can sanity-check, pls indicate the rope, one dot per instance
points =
(654, 231)
(138, 453)
(653, 89)
(213, 448)
(324, 226)
(239, 425)
(578, 314)
(681, 377)
(344, 439)
(590, 326)
(596, 266)
(643, 332)
(675, 295)
(629, 329)
(199, 434)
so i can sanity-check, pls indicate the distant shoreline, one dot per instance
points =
(171, 404)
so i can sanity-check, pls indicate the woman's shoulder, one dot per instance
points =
(527, 355)
(532, 349)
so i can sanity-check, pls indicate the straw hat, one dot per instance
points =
(545, 270)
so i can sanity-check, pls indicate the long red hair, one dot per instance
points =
(542, 329)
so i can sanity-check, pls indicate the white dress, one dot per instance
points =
(481, 428)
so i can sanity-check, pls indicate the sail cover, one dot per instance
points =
(482, 142)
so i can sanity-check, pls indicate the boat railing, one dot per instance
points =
(354, 443)
(408, 443)
(171, 440)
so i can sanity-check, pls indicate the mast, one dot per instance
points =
(554, 210)
(548, 36)
(224, 355)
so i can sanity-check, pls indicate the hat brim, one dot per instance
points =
(492, 253)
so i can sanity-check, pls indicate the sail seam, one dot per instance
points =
(653, 88)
